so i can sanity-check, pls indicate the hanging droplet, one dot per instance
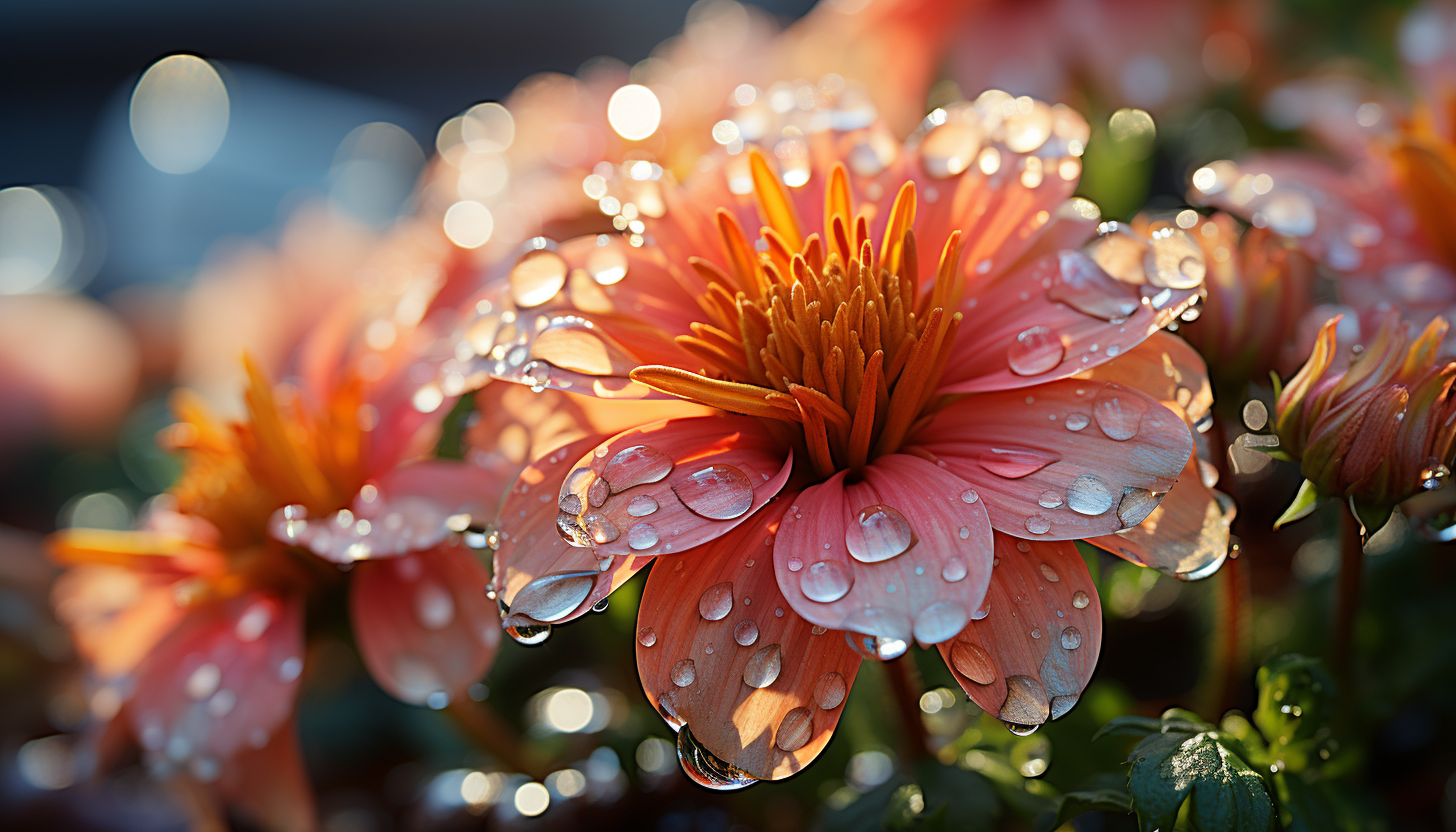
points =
(1020, 730)
(826, 581)
(746, 633)
(1136, 505)
(795, 730)
(551, 598)
(1071, 638)
(683, 673)
(1026, 702)
(718, 492)
(882, 533)
(876, 648)
(1080, 600)
(1118, 412)
(829, 691)
(646, 637)
(717, 601)
(763, 667)
(1035, 351)
(708, 769)
(973, 662)
(1089, 495)
(526, 630)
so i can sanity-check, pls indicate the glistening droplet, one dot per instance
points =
(1089, 495)
(636, 465)
(1118, 411)
(552, 597)
(746, 633)
(525, 630)
(953, 570)
(717, 601)
(717, 492)
(881, 534)
(763, 667)
(973, 662)
(683, 673)
(646, 637)
(708, 769)
(1038, 524)
(1035, 351)
(1136, 505)
(1071, 638)
(826, 581)
(537, 277)
(829, 691)
(1080, 600)
(795, 730)
(642, 536)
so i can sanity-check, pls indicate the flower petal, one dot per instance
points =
(904, 553)
(223, 681)
(425, 628)
(531, 548)
(116, 615)
(1049, 319)
(271, 785)
(1064, 460)
(720, 650)
(1166, 368)
(671, 485)
(1028, 656)
(1187, 535)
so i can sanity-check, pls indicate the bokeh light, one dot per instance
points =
(634, 112)
(179, 113)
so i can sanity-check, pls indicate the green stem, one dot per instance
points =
(1347, 599)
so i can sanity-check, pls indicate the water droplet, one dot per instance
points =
(1049, 499)
(717, 601)
(642, 505)
(953, 570)
(795, 730)
(204, 681)
(607, 264)
(683, 673)
(1026, 702)
(948, 149)
(637, 465)
(1080, 600)
(746, 633)
(537, 277)
(972, 662)
(876, 648)
(1062, 704)
(646, 637)
(570, 503)
(1014, 463)
(706, 768)
(964, 533)
(599, 528)
(819, 631)
(826, 581)
(1085, 287)
(598, 492)
(795, 564)
(1035, 633)
(1038, 524)
(1071, 638)
(763, 667)
(969, 496)
(1035, 351)
(829, 691)
(718, 492)
(1089, 495)
(940, 622)
(1136, 505)
(882, 534)
(642, 536)
(983, 610)
(552, 597)
(1118, 412)
(525, 630)
(434, 606)
(1020, 730)
(1077, 421)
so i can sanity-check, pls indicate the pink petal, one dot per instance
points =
(1166, 368)
(1050, 319)
(720, 650)
(531, 548)
(930, 530)
(1187, 535)
(425, 628)
(116, 615)
(1064, 460)
(223, 681)
(1033, 646)
(271, 786)
(671, 485)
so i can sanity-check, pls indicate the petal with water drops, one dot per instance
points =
(767, 707)
(904, 553)
(1027, 659)
(1185, 535)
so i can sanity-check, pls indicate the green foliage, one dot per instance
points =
(1296, 703)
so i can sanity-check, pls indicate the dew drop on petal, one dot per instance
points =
(969, 496)
(1077, 421)
(717, 492)
(1089, 495)
(940, 621)
(570, 503)
(763, 667)
(973, 662)
(795, 730)
(826, 581)
(642, 505)
(642, 536)
(706, 768)
(537, 277)
(636, 465)
(1014, 463)
(953, 570)
(1035, 351)
(883, 533)
(552, 597)
(717, 601)
(1049, 573)
(746, 633)
(599, 528)
(1038, 524)
(1136, 505)
(1049, 499)
(683, 673)
(646, 637)
(1026, 701)
(1071, 638)
(1080, 600)
(795, 564)
(983, 610)
(829, 691)
(1118, 412)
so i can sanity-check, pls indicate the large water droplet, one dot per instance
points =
(1071, 638)
(953, 570)
(826, 581)
(829, 691)
(708, 769)
(525, 630)
(599, 528)
(1118, 412)
(795, 730)
(718, 492)
(642, 505)
(1026, 702)
(1035, 351)
(1049, 499)
(570, 529)
(434, 606)
(537, 277)
(948, 149)
(1085, 287)
(1014, 463)
(683, 673)
(746, 633)
(1136, 505)
(1038, 524)
(717, 601)
(763, 667)
(1049, 573)
(940, 622)
(552, 597)
(973, 662)
(882, 534)
(1080, 600)
(646, 637)
(1089, 495)
(642, 536)
(637, 465)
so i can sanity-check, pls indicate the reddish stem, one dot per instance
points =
(1347, 599)
(906, 684)
(493, 735)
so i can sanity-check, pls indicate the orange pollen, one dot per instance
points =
(824, 333)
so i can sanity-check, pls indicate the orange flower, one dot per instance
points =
(883, 430)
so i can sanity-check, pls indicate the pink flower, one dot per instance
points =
(916, 373)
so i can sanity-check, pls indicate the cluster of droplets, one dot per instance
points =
(377, 527)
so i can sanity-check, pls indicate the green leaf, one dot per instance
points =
(1174, 719)
(1073, 804)
(1323, 806)
(1304, 503)
(906, 811)
(1296, 703)
(452, 430)
(1204, 768)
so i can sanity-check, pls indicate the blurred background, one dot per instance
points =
(105, 226)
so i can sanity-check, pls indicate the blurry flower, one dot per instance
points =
(881, 430)
(1373, 427)
(1259, 289)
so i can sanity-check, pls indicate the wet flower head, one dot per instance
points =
(1373, 425)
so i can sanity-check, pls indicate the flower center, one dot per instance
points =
(823, 333)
